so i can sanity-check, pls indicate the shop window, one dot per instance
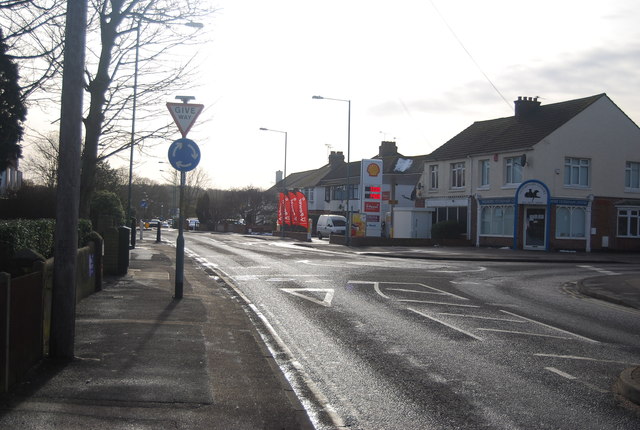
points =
(496, 220)
(570, 222)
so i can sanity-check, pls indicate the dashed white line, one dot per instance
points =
(437, 303)
(576, 357)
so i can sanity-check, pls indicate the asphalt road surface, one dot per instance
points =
(383, 343)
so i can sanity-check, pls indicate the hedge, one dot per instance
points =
(35, 234)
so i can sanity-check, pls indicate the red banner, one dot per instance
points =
(280, 208)
(286, 209)
(303, 210)
(293, 202)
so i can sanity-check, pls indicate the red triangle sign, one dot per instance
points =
(184, 115)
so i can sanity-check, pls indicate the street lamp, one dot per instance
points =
(348, 232)
(284, 177)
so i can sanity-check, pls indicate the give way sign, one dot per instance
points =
(184, 115)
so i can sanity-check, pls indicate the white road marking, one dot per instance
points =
(573, 378)
(445, 324)
(437, 303)
(575, 357)
(403, 290)
(560, 372)
(549, 326)
(599, 270)
(524, 333)
(328, 297)
(482, 318)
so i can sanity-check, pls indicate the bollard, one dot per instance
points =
(133, 233)
(158, 234)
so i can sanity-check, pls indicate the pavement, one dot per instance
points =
(144, 360)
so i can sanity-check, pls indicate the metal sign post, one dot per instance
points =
(184, 156)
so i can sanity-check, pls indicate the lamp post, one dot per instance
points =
(284, 177)
(348, 232)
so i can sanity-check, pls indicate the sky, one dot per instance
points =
(416, 71)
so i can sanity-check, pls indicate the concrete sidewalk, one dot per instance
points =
(147, 361)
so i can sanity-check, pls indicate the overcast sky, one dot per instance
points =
(416, 71)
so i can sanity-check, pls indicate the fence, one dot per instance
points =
(25, 306)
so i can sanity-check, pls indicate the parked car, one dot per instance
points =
(331, 224)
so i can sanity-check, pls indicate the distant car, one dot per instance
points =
(194, 223)
(152, 223)
(164, 224)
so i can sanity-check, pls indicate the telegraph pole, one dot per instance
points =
(63, 301)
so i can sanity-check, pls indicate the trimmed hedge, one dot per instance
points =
(35, 234)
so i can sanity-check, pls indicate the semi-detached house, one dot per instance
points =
(563, 176)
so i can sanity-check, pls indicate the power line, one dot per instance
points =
(470, 56)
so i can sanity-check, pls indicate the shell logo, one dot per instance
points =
(373, 169)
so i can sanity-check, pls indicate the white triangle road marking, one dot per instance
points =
(328, 297)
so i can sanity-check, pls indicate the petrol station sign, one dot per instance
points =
(371, 178)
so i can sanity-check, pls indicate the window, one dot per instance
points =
(451, 213)
(570, 222)
(513, 170)
(632, 176)
(433, 177)
(576, 172)
(338, 193)
(353, 191)
(484, 173)
(629, 222)
(327, 194)
(457, 175)
(496, 221)
(308, 193)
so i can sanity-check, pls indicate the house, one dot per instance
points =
(325, 188)
(10, 178)
(563, 176)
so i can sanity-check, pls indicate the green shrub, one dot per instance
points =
(446, 230)
(106, 204)
(35, 234)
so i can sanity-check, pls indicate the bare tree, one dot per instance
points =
(34, 34)
(44, 159)
(152, 29)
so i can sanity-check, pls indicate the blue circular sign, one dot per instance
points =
(184, 155)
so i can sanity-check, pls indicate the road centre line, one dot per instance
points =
(482, 318)
(575, 357)
(445, 324)
(437, 303)
(549, 326)
(525, 333)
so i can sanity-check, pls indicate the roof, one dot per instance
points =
(512, 133)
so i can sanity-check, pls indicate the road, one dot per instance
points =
(383, 343)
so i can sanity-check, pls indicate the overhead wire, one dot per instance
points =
(470, 56)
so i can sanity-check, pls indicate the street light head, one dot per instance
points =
(264, 129)
(317, 97)
(197, 25)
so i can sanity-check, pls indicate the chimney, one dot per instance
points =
(387, 148)
(278, 176)
(336, 158)
(526, 106)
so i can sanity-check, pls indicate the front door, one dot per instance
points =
(535, 227)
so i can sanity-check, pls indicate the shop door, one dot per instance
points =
(535, 227)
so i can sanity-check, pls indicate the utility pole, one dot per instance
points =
(63, 301)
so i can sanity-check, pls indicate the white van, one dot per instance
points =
(331, 224)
